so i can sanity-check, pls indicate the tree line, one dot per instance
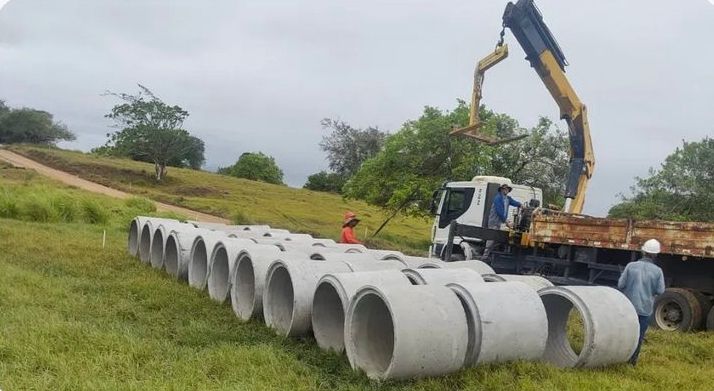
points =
(395, 171)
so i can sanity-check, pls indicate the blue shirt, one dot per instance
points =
(641, 281)
(499, 210)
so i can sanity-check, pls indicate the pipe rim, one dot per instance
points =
(328, 324)
(355, 345)
(473, 318)
(414, 277)
(133, 240)
(243, 295)
(171, 255)
(278, 298)
(156, 257)
(557, 343)
(198, 264)
(145, 242)
(218, 278)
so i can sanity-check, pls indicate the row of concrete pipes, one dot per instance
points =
(395, 316)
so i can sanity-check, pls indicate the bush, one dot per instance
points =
(38, 208)
(66, 207)
(240, 218)
(8, 205)
(93, 212)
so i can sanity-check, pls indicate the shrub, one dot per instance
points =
(141, 204)
(93, 212)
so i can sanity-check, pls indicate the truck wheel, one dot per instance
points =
(705, 303)
(710, 320)
(677, 309)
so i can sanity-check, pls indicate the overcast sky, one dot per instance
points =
(259, 75)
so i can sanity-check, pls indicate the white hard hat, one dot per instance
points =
(652, 246)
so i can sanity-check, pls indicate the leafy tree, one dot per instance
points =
(419, 157)
(30, 126)
(682, 189)
(325, 181)
(255, 166)
(347, 148)
(151, 131)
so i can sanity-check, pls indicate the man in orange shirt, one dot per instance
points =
(348, 232)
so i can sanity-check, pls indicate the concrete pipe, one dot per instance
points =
(332, 298)
(399, 332)
(272, 233)
(384, 255)
(535, 282)
(177, 254)
(506, 321)
(323, 242)
(201, 251)
(610, 324)
(344, 248)
(442, 276)
(416, 262)
(211, 226)
(222, 264)
(248, 279)
(289, 288)
(135, 227)
(158, 241)
(473, 264)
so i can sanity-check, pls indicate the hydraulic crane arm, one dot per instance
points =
(546, 57)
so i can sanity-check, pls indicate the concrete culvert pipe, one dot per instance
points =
(344, 248)
(387, 255)
(177, 253)
(289, 288)
(323, 242)
(399, 332)
(222, 265)
(506, 321)
(332, 298)
(135, 227)
(158, 241)
(611, 327)
(472, 264)
(201, 251)
(416, 262)
(441, 276)
(147, 233)
(249, 278)
(535, 282)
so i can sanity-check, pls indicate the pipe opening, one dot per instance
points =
(328, 318)
(171, 255)
(243, 297)
(157, 249)
(219, 277)
(470, 325)
(279, 300)
(559, 345)
(372, 333)
(145, 244)
(317, 257)
(199, 265)
(133, 237)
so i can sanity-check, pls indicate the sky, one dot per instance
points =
(260, 75)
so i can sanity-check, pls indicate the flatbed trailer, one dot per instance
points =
(574, 249)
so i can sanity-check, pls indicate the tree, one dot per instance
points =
(418, 158)
(27, 125)
(347, 148)
(151, 131)
(255, 166)
(682, 189)
(325, 181)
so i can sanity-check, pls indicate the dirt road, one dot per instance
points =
(73, 180)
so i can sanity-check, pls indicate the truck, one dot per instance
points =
(566, 246)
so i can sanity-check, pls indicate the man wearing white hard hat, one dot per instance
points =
(641, 281)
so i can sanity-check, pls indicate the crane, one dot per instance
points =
(545, 55)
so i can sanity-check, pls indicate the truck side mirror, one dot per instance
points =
(434, 202)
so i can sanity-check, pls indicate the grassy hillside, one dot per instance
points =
(74, 315)
(241, 200)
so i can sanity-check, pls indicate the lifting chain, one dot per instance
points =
(501, 37)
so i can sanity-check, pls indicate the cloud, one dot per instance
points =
(259, 75)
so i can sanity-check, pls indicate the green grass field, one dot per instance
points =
(75, 315)
(241, 200)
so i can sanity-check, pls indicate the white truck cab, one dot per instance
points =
(469, 203)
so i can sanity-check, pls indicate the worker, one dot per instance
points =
(499, 214)
(641, 281)
(348, 232)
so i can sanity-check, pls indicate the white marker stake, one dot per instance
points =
(104, 238)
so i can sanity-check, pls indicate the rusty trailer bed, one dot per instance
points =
(677, 238)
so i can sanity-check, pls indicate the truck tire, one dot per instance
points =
(710, 320)
(677, 309)
(705, 303)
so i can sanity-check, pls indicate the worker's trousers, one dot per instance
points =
(644, 324)
(490, 244)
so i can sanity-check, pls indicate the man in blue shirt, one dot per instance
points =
(499, 214)
(641, 281)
